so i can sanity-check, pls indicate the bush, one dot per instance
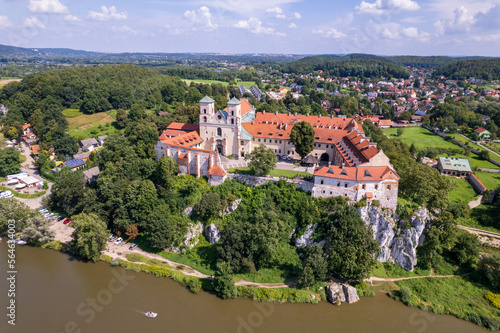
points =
(494, 299)
(194, 285)
(376, 203)
(361, 203)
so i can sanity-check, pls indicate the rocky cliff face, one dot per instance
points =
(213, 233)
(307, 237)
(397, 245)
(339, 293)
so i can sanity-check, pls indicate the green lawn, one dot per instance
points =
(460, 138)
(484, 217)
(72, 113)
(419, 136)
(464, 192)
(273, 173)
(457, 296)
(267, 275)
(390, 270)
(246, 84)
(495, 146)
(225, 84)
(94, 125)
(489, 179)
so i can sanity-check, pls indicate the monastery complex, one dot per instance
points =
(352, 166)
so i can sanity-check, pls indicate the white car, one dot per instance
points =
(118, 241)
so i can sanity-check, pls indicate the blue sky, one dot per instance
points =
(386, 27)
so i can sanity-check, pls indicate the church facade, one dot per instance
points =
(235, 131)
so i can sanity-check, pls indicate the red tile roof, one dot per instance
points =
(186, 140)
(217, 171)
(245, 106)
(480, 130)
(279, 126)
(354, 150)
(25, 126)
(184, 127)
(359, 173)
(35, 149)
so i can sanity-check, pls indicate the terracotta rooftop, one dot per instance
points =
(184, 127)
(217, 171)
(480, 130)
(35, 149)
(355, 150)
(186, 140)
(357, 173)
(25, 126)
(245, 106)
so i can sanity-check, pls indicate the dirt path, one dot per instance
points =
(374, 278)
(8, 81)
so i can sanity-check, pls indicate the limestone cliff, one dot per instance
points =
(397, 244)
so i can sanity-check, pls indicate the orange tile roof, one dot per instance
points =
(369, 195)
(184, 127)
(279, 126)
(357, 173)
(25, 126)
(480, 130)
(245, 106)
(354, 150)
(217, 171)
(35, 149)
(385, 122)
(186, 140)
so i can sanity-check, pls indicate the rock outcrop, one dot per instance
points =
(191, 237)
(307, 237)
(340, 293)
(397, 244)
(213, 233)
(231, 208)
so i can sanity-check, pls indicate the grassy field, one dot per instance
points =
(495, 146)
(390, 270)
(267, 275)
(489, 179)
(89, 126)
(419, 136)
(273, 173)
(464, 192)
(457, 296)
(484, 217)
(72, 113)
(460, 138)
(246, 84)
(225, 84)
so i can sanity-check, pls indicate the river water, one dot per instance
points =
(57, 293)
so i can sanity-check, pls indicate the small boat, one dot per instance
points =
(151, 314)
(21, 242)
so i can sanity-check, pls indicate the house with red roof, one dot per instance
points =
(482, 133)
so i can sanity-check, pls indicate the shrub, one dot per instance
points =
(361, 203)
(376, 203)
(194, 285)
(494, 299)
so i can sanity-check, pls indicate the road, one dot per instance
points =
(480, 145)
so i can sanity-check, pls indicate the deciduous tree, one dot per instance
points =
(89, 237)
(302, 136)
(262, 160)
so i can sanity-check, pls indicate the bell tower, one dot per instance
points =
(234, 112)
(207, 109)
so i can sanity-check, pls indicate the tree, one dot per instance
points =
(466, 250)
(164, 227)
(400, 131)
(67, 192)
(38, 230)
(132, 231)
(89, 237)
(262, 160)
(13, 210)
(302, 136)
(489, 267)
(209, 206)
(484, 154)
(121, 118)
(350, 247)
(165, 170)
(66, 146)
(12, 133)
(223, 281)
(10, 162)
(314, 266)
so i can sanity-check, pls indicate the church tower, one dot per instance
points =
(234, 112)
(207, 109)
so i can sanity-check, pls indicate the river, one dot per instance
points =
(57, 293)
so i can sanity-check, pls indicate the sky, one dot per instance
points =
(383, 27)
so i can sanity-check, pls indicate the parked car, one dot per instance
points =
(66, 221)
(133, 246)
(111, 237)
(118, 241)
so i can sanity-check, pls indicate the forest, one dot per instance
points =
(482, 69)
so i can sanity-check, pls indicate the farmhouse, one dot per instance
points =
(450, 166)
(482, 133)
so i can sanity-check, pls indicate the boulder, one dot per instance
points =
(335, 293)
(191, 237)
(307, 238)
(188, 211)
(213, 233)
(232, 207)
(351, 295)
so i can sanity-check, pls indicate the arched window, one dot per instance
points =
(219, 131)
(232, 121)
(232, 113)
(205, 111)
(204, 119)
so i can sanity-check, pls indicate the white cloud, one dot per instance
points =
(33, 22)
(382, 6)
(124, 29)
(410, 32)
(71, 18)
(108, 14)
(292, 26)
(47, 6)
(4, 22)
(460, 23)
(248, 8)
(254, 25)
(330, 33)
(488, 19)
(202, 17)
(297, 15)
(276, 12)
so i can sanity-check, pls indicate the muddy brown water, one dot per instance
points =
(57, 293)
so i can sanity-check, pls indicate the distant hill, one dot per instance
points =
(357, 65)
(13, 51)
(485, 69)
